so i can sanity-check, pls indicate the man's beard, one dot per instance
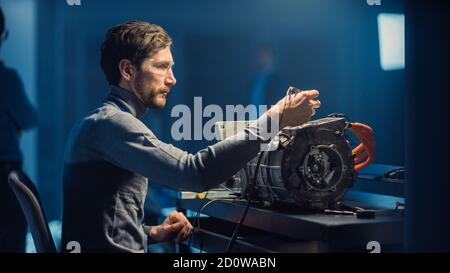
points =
(151, 98)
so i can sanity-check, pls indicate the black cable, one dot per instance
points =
(234, 236)
(270, 192)
(197, 216)
(252, 187)
(238, 225)
(195, 220)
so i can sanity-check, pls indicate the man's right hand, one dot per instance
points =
(296, 109)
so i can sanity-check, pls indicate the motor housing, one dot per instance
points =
(312, 167)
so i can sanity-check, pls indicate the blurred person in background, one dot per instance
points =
(16, 115)
(267, 83)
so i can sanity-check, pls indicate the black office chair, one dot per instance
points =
(29, 200)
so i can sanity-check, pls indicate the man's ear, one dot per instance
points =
(127, 70)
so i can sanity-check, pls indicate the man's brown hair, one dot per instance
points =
(132, 40)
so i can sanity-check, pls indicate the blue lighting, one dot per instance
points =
(391, 34)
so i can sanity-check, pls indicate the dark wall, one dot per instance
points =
(427, 221)
(328, 45)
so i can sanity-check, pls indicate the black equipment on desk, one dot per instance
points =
(312, 168)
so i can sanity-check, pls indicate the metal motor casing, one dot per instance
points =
(312, 168)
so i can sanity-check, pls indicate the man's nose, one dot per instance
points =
(170, 79)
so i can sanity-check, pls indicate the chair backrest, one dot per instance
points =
(29, 200)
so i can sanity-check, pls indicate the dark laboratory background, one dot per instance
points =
(220, 49)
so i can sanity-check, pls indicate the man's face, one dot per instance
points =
(154, 79)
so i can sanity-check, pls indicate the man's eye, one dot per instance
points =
(162, 66)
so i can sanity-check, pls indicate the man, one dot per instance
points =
(111, 153)
(16, 115)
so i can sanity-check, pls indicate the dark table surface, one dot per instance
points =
(385, 228)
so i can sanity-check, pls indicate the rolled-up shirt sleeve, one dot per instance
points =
(129, 144)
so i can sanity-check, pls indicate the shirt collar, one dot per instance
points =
(126, 101)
